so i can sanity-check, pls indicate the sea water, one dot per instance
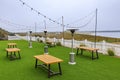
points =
(109, 34)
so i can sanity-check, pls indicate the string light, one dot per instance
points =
(92, 14)
(31, 8)
(6, 22)
(23, 3)
(38, 12)
(84, 25)
(49, 19)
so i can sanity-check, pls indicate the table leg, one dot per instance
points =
(97, 54)
(60, 69)
(36, 63)
(92, 55)
(7, 53)
(77, 51)
(19, 55)
(81, 51)
(48, 70)
(11, 54)
(11, 57)
(14, 54)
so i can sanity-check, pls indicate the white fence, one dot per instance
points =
(103, 46)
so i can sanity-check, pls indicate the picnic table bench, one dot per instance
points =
(12, 45)
(11, 51)
(92, 50)
(47, 61)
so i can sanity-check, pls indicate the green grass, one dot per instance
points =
(105, 68)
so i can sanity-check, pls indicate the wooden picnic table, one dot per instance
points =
(92, 50)
(47, 60)
(12, 45)
(50, 43)
(11, 51)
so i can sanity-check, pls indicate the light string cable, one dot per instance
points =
(39, 13)
(51, 25)
(8, 23)
(83, 18)
(84, 25)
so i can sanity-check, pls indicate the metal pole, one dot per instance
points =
(63, 28)
(45, 24)
(45, 30)
(95, 27)
(45, 47)
(30, 43)
(35, 32)
(72, 41)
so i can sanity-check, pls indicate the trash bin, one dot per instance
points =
(46, 50)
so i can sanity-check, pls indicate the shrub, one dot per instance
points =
(39, 40)
(110, 52)
(58, 44)
(82, 44)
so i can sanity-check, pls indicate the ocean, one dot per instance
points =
(109, 34)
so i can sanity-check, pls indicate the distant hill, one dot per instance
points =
(3, 34)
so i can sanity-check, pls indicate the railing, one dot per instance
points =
(103, 46)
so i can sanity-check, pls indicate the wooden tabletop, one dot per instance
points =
(88, 48)
(12, 49)
(48, 59)
(11, 43)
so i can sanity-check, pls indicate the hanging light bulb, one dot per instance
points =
(23, 3)
(31, 8)
(38, 13)
(44, 16)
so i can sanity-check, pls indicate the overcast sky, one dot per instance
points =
(73, 11)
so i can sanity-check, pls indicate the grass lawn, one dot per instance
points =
(105, 68)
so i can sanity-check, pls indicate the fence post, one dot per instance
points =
(62, 41)
(43, 39)
(104, 47)
(54, 40)
(85, 42)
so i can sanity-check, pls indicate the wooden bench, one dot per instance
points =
(93, 50)
(12, 45)
(47, 61)
(50, 43)
(11, 51)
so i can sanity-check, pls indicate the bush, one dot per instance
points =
(82, 44)
(38, 40)
(58, 44)
(110, 52)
